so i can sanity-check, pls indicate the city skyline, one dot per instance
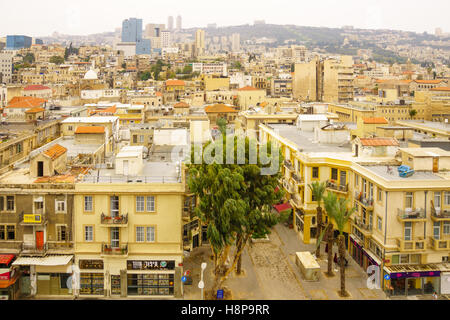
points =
(73, 19)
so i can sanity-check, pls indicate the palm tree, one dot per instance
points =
(337, 209)
(318, 190)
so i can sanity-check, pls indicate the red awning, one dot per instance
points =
(6, 258)
(282, 207)
(277, 189)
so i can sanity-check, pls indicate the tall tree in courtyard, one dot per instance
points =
(235, 200)
(318, 190)
(337, 209)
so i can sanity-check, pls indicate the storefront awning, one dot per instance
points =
(44, 261)
(282, 207)
(7, 283)
(6, 258)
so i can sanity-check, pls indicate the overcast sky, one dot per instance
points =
(43, 17)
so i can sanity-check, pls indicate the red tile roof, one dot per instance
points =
(6, 258)
(430, 81)
(107, 110)
(90, 129)
(35, 110)
(248, 88)
(375, 142)
(158, 94)
(440, 89)
(36, 87)
(55, 151)
(181, 105)
(219, 108)
(375, 121)
(175, 83)
(25, 102)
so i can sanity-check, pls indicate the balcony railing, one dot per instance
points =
(366, 202)
(297, 178)
(288, 165)
(116, 221)
(108, 249)
(297, 201)
(288, 186)
(439, 244)
(33, 248)
(411, 245)
(438, 214)
(337, 187)
(362, 226)
(411, 214)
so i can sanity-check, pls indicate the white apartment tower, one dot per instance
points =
(6, 67)
(235, 42)
(179, 23)
(200, 42)
(166, 39)
(170, 23)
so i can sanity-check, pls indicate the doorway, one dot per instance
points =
(40, 168)
(115, 238)
(39, 240)
(195, 241)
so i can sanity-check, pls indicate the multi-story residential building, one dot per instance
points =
(6, 67)
(166, 39)
(330, 80)
(396, 225)
(199, 42)
(210, 68)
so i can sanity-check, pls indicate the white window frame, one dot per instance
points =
(150, 233)
(447, 198)
(446, 228)
(91, 202)
(140, 234)
(409, 195)
(58, 203)
(437, 195)
(58, 232)
(150, 205)
(408, 227)
(89, 233)
(140, 203)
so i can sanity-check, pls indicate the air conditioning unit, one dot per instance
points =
(110, 165)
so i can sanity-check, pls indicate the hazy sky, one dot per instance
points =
(43, 17)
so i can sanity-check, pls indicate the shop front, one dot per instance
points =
(49, 276)
(151, 278)
(360, 255)
(9, 284)
(92, 278)
(415, 281)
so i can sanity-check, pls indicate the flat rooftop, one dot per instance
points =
(428, 124)
(305, 140)
(383, 172)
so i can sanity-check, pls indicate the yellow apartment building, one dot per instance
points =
(401, 224)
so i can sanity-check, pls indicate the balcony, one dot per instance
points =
(437, 214)
(411, 215)
(109, 250)
(33, 219)
(365, 228)
(333, 186)
(118, 221)
(34, 249)
(289, 186)
(296, 201)
(288, 165)
(297, 179)
(439, 244)
(365, 202)
(417, 244)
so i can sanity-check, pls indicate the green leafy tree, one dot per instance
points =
(56, 59)
(412, 113)
(144, 76)
(187, 69)
(222, 124)
(318, 191)
(235, 201)
(29, 58)
(337, 209)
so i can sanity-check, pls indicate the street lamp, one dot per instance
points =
(201, 284)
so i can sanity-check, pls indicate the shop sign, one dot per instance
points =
(401, 275)
(32, 218)
(5, 274)
(150, 265)
(91, 264)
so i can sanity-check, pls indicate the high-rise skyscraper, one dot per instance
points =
(170, 23)
(131, 30)
(166, 40)
(179, 23)
(235, 42)
(199, 42)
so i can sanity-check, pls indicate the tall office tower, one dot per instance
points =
(179, 23)
(235, 42)
(16, 42)
(166, 40)
(131, 30)
(199, 42)
(170, 23)
(153, 30)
